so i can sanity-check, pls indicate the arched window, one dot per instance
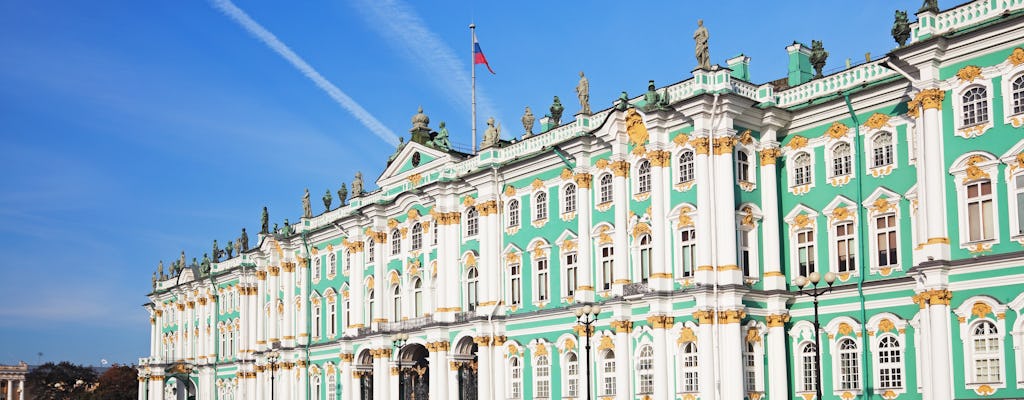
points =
(314, 386)
(543, 279)
(317, 315)
(882, 145)
(802, 174)
(472, 223)
(987, 354)
(472, 289)
(1017, 88)
(685, 166)
(332, 264)
(980, 212)
(347, 305)
(805, 252)
(890, 363)
(396, 242)
(742, 166)
(348, 262)
(607, 368)
(645, 258)
(571, 268)
(749, 367)
(516, 373)
(417, 297)
(849, 365)
(540, 206)
(645, 369)
(433, 233)
(332, 316)
(543, 382)
(371, 253)
(688, 251)
(606, 188)
(569, 199)
(572, 374)
(516, 284)
(975, 106)
(689, 368)
(316, 272)
(842, 160)
(513, 213)
(332, 387)
(417, 236)
(808, 368)
(396, 303)
(643, 177)
(368, 315)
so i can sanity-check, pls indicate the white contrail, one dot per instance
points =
(268, 38)
(399, 23)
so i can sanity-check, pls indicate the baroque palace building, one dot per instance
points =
(687, 214)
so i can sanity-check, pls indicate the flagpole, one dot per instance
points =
(472, 66)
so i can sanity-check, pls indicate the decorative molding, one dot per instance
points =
(969, 73)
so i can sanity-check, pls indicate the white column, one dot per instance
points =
(381, 376)
(288, 296)
(662, 370)
(156, 388)
(243, 327)
(21, 389)
(771, 250)
(731, 353)
(274, 285)
(704, 217)
(260, 311)
(300, 387)
(932, 200)
(724, 202)
(939, 335)
(485, 372)
(348, 384)
(452, 377)
(706, 354)
(357, 248)
(178, 334)
(623, 356)
(10, 389)
(303, 310)
(154, 338)
(379, 277)
(498, 366)
(585, 268)
(489, 263)
(661, 271)
(775, 349)
(620, 172)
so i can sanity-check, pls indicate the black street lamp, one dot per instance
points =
(399, 341)
(273, 360)
(809, 286)
(586, 316)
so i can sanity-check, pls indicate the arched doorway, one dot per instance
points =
(466, 361)
(364, 371)
(179, 387)
(414, 376)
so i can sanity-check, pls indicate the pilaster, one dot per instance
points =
(774, 279)
(926, 107)
(661, 274)
(585, 271)
(775, 349)
(620, 173)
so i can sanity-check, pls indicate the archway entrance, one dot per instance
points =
(466, 361)
(179, 387)
(414, 376)
(364, 371)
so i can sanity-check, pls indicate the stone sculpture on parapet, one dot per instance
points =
(583, 92)
(528, 120)
(357, 185)
(901, 28)
(491, 135)
(327, 200)
(244, 242)
(556, 113)
(342, 195)
(623, 102)
(307, 209)
(216, 251)
(700, 37)
(229, 248)
(265, 221)
(818, 57)
(931, 6)
(441, 140)
(160, 269)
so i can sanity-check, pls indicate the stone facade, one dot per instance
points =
(12, 381)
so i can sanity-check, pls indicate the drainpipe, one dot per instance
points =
(859, 141)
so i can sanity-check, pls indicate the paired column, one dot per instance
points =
(489, 266)
(349, 384)
(620, 201)
(485, 372)
(288, 297)
(731, 351)
(379, 278)
(273, 281)
(724, 203)
(774, 279)
(704, 217)
(662, 370)
(438, 369)
(156, 387)
(623, 356)
(261, 313)
(498, 365)
(775, 350)
(661, 273)
(706, 353)
(381, 373)
(356, 275)
(585, 268)
(302, 274)
(935, 303)
(927, 105)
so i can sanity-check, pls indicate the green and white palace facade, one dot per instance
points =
(687, 219)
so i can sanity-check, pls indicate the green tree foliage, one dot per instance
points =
(59, 381)
(118, 383)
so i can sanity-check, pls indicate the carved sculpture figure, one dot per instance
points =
(160, 269)
(204, 267)
(238, 245)
(651, 98)
(441, 141)
(276, 229)
(583, 92)
(216, 251)
(901, 28)
(265, 221)
(528, 120)
(307, 209)
(342, 195)
(556, 112)
(700, 37)
(491, 135)
(228, 249)
(154, 280)
(420, 130)
(194, 264)
(401, 145)
(245, 241)
(930, 6)
(181, 262)
(818, 57)
(327, 200)
(663, 99)
(357, 185)
(623, 102)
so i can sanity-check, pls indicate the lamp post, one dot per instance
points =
(399, 341)
(586, 316)
(809, 286)
(273, 359)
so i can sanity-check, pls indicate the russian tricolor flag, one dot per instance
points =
(478, 55)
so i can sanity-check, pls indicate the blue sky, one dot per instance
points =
(131, 130)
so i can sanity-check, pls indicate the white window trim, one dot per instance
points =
(564, 202)
(636, 375)
(317, 309)
(513, 382)
(792, 187)
(833, 250)
(990, 166)
(331, 265)
(541, 252)
(601, 357)
(812, 225)
(958, 91)
(869, 152)
(834, 337)
(1018, 339)
(604, 205)
(635, 178)
(332, 329)
(840, 180)
(566, 377)
(466, 236)
(599, 267)
(317, 270)
(965, 314)
(563, 290)
(753, 240)
(1013, 169)
(536, 375)
(516, 204)
(677, 184)
(536, 220)
(752, 165)
(394, 252)
(677, 231)
(1009, 118)
(759, 355)
(875, 337)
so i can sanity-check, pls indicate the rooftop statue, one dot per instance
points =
(195, 264)
(556, 112)
(401, 145)
(818, 57)
(929, 6)
(342, 195)
(441, 140)
(901, 28)
(216, 251)
(228, 249)
(160, 269)
(491, 135)
(238, 245)
(327, 200)
(265, 221)
(357, 185)
(245, 242)
(276, 229)
(652, 100)
(623, 102)
(204, 267)
(420, 128)
(700, 37)
(528, 120)
(154, 280)
(287, 227)
(181, 262)
(307, 209)
(583, 92)
(663, 99)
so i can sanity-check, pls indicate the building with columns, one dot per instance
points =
(12, 381)
(687, 213)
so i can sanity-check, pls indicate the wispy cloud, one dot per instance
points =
(397, 22)
(268, 38)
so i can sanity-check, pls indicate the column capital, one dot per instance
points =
(701, 144)
(622, 326)
(620, 168)
(933, 297)
(927, 99)
(659, 158)
(583, 180)
(769, 155)
(661, 321)
(482, 341)
(777, 320)
(487, 208)
(723, 145)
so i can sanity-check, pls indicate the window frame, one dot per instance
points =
(569, 195)
(607, 368)
(644, 179)
(396, 242)
(834, 156)
(883, 155)
(416, 236)
(513, 214)
(542, 377)
(686, 166)
(606, 189)
(472, 222)
(688, 361)
(802, 174)
(540, 206)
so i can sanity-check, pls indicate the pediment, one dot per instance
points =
(414, 159)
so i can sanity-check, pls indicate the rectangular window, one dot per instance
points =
(570, 274)
(607, 265)
(886, 240)
(749, 368)
(805, 252)
(979, 211)
(1019, 189)
(332, 318)
(743, 241)
(316, 322)
(516, 288)
(846, 250)
(688, 250)
(542, 279)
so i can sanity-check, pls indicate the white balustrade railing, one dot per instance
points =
(834, 84)
(961, 17)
